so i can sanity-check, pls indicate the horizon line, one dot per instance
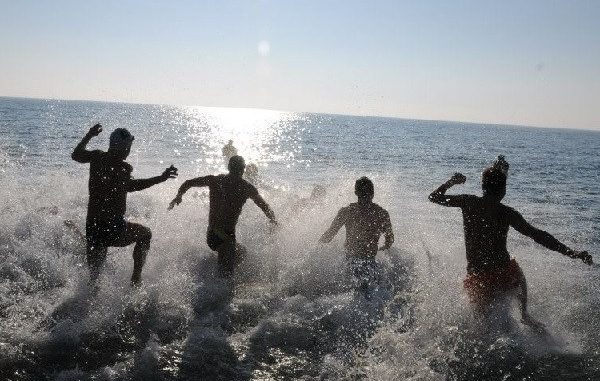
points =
(497, 124)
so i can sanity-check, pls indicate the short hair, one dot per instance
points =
(236, 164)
(493, 180)
(120, 138)
(364, 187)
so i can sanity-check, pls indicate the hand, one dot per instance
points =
(170, 173)
(95, 130)
(176, 201)
(458, 178)
(584, 256)
(274, 226)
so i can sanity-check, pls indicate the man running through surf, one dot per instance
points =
(365, 222)
(491, 272)
(110, 181)
(228, 194)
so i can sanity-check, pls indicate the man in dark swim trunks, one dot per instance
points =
(365, 222)
(491, 273)
(228, 194)
(110, 181)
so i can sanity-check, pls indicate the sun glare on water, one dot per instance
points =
(256, 133)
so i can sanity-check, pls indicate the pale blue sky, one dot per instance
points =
(518, 62)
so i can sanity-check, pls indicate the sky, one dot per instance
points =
(508, 62)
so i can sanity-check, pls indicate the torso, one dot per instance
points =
(486, 226)
(364, 225)
(107, 187)
(228, 194)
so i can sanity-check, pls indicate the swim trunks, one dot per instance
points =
(485, 286)
(101, 233)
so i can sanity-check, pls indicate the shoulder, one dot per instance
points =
(380, 210)
(97, 155)
(250, 189)
(468, 199)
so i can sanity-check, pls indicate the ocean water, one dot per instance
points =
(291, 311)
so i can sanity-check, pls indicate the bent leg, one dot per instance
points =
(141, 236)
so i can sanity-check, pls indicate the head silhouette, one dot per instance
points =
(236, 165)
(364, 189)
(120, 143)
(493, 183)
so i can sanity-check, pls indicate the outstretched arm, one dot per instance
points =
(439, 195)
(262, 204)
(197, 182)
(135, 185)
(545, 239)
(80, 154)
(388, 232)
(336, 225)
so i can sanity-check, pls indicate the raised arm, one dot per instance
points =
(262, 204)
(388, 232)
(439, 196)
(197, 182)
(336, 225)
(80, 154)
(135, 185)
(545, 239)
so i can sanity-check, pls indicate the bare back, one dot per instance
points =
(228, 194)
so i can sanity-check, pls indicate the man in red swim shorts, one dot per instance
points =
(491, 272)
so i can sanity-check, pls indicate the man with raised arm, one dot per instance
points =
(491, 272)
(228, 194)
(110, 181)
(365, 222)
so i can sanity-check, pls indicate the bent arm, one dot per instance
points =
(388, 233)
(439, 196)
(336, 225)
(197, 182)
(262, 204)
(80, 154)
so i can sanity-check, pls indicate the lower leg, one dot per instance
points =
(139, 259)
(96, 256)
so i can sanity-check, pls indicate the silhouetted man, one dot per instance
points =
(365, 222)
(110, 181)
(491, 272)
(228, 194)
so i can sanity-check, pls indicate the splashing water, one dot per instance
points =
(292, 311)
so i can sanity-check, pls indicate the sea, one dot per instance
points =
(292, 311)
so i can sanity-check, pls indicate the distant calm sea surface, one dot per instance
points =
(291, 313)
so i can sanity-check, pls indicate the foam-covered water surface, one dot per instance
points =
(292, 311)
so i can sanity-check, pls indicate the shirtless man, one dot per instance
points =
(365, 221)
(491, 272)
(228, 193)
(110, 181)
